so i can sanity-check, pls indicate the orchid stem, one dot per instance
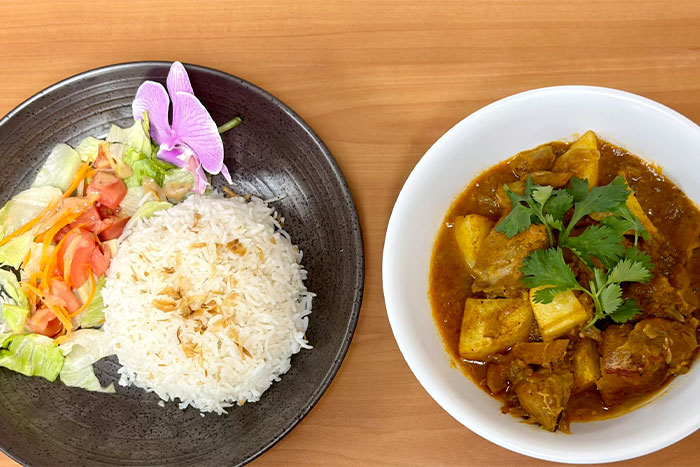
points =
(229, 125)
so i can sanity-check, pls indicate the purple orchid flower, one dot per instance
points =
(192, 140)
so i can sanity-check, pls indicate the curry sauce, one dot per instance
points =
(675, 254)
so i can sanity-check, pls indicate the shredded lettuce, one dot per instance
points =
(147, 209)
(15, 317)
(10, 290)
(133, 137)
(147, 167)
(84, 347)
(94, 315)
(88, 149)
(59, 168)
(13, 303)
(25, 206)
(31, 355)
(179, 176)
(13, 252)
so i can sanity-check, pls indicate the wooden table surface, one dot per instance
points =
(379, 82)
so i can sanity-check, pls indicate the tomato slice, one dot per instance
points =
(102, 162)
(99, 262)
(74, 255)
(110, 188)
(44, 322)
(60, 291)
(115, 229)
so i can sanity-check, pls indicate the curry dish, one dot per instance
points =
(581, 352)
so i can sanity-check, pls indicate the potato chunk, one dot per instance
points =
(588, 141)
(586, 364)
(560, 316)
(640, 214)
(491, 325)
(581, 159)
(470, 232)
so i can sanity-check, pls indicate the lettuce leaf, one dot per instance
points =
(59, 168)
(147, 167)
(133, 137)
(15, 317)
(31, 355)
(85, 347)
(13, 252)
(13, 303)
(147, 209)
(94, 315)
(10, 290)
(25, 206)
(88, 149)
(178, 177)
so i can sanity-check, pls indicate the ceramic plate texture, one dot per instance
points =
(490, 135)
(272, 153)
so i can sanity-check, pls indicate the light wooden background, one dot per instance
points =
(379, 82)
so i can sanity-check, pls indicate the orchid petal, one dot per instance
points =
(172, 155)
(227, 176)
(194, 126)
(200, 180)
(178, 81)
(152, 97)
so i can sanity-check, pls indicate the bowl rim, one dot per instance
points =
(390, 253)
(359, 279)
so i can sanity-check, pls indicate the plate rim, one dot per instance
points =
(357, 234)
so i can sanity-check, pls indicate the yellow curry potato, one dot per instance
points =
(586, 364)
(491, 325)
(581, 159)
(587, 141)
(470, 232)
(557, 318)
(640, 214)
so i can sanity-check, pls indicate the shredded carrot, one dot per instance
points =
(63, 220)
(27, 258)
(83, 171)
(56, 309)
(90, 295)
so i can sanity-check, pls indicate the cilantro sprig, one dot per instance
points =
(599, 247)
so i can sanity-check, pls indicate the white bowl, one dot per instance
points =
(490, 135)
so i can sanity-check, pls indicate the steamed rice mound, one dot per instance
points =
(205, 302)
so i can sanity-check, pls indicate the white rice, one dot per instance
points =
(228, 260)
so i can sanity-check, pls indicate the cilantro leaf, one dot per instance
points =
(611, 298)
(596, 241)
(626, 311)
(548, 268)
(640, 256)
(517, 221)
(547, 294)
(579, 189)
(600, 199)
(541, 194)
(634, 223)
(559, 203)
(629, 271)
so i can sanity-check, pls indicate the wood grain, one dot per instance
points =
(379, 82)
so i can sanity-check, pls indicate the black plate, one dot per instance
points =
(273, 153)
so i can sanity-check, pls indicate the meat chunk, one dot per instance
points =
(658, 298)
(637, 360)
(540, 353)
(545, 395)
(538, 159)
(497, 267)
